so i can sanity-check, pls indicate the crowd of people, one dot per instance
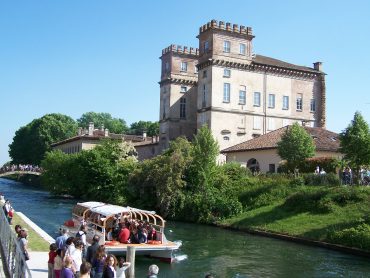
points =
(20, 167)
(132, 231)
(72, 257)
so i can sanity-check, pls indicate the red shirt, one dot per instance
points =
(52, 255)
(124, 235)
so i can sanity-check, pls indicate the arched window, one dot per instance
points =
(253, 165)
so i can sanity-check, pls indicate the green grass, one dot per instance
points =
(305, 218)
(35, 241)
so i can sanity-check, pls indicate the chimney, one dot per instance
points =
(317, 66)
(102, 127)
(91, 129)
(106, 132)
(144, 135)
(79, 131)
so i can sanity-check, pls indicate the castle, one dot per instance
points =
(238, 94)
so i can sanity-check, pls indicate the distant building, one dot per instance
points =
(261, 152)
(238, 94)
(87, 139)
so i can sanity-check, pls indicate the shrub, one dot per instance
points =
(307, 200)
(358, 236)
(329, 164)
(344, 195)
(330, 179)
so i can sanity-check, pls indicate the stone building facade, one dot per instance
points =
(238, 94)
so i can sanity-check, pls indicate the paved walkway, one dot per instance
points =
(38, 264)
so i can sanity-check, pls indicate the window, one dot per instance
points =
(242, 95)
(226, 138)
(204, 100)
(242, 49)
(285, 102)
(257, 99)
(271, 101)
(166, 67)
(206, 47)
(299, 102)
(227, 73)
(227, 46)
(256, 122)
(270, 124)
(182, 108)
(184, 89)
(313, 105)
(164, 108)
(184, 66)
(226, 92)
(204, 74)
(195, 69)
(272, 168)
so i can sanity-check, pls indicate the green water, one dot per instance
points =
(206, 249)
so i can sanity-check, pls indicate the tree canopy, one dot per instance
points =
(114, 125)
(295, 146)
(152, 128)
(32, 141)
(355, 142)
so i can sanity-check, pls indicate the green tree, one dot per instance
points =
(152, 128)
(114, 125)
(205, 152)
(295, 146)
(32, 141)
(355, 143)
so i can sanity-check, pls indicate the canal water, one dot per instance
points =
(205, 249)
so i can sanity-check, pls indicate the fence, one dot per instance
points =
(13, 259)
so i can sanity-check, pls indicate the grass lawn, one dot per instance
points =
(35, 241)
(301, 222)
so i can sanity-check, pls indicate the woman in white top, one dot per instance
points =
(121, 268)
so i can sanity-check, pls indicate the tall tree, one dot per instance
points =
(32, 141)
(114, 125)
(295, 146)
(355, 142)
(205, 152)
(152, 128)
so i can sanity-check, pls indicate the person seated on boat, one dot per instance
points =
(142, 235)
(152, 233)
(124, 234)
(109, 236)
(134, 236)
(116, 230)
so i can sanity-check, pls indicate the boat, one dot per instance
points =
(100, 219)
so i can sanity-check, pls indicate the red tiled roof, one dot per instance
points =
(264, 60)
(325, 140)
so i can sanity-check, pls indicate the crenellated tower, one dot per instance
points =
(178, 93)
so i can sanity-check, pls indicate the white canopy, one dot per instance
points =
(108, 210)
(91, 204)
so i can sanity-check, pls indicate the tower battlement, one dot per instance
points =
(181, 50)
(232, 28)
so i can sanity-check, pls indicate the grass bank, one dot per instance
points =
(333, 214)
(35, 241)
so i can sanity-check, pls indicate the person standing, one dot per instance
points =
(67, 269)
(153, 271)
(85, 270)
(91, 250)
(61, 240)
(121, 268)
(52, 254)
(58, 264)
(77, 257)
(23, 242)
(110, 267)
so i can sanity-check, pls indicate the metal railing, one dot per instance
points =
(13, 259)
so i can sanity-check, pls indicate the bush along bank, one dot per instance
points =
(185, 183)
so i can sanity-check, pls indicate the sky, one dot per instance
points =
(73, 57)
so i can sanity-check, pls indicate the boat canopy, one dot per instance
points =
(81, 208)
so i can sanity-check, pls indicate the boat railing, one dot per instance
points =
(13, 259)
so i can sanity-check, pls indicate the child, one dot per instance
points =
(52, 254)
(58, 264)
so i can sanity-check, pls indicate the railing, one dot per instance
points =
(14, 263)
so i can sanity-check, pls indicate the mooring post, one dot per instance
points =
(130, 257)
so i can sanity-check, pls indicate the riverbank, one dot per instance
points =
(330, 217)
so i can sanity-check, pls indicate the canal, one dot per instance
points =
(205, 249)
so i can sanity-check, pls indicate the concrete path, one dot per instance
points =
(38, 264)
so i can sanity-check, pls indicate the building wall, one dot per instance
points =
(270, 156)
(147, 151)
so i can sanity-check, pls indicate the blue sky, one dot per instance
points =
(73, 56)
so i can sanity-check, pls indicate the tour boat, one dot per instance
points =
(99, 219)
